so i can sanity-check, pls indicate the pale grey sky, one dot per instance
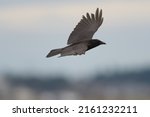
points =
(30, 29)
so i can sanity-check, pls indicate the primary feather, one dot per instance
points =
(86, 28)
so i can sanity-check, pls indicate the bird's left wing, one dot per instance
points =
(86, 28)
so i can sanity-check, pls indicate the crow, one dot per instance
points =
(80, 40)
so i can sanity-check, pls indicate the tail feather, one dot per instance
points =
(54, 52)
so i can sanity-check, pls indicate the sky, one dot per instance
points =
(29, 29)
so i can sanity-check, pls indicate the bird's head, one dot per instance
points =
(97, 42)
(94, 42)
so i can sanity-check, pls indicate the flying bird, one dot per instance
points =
(80, 40)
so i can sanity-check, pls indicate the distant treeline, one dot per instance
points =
(60, 82)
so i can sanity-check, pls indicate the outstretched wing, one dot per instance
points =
(86, 28)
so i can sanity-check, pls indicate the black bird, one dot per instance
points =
(80, 40)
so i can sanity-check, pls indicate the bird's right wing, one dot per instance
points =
(86, 28)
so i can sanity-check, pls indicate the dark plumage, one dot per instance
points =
(80, 40)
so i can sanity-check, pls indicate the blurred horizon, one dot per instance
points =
(129, 85)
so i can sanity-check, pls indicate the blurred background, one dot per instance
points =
(29, 29)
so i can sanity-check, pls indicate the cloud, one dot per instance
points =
(24, 15)
(44, 17)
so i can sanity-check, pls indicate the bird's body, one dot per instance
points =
(80, 40)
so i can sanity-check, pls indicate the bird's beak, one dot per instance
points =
(103, 43)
